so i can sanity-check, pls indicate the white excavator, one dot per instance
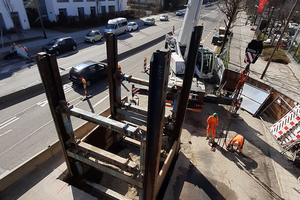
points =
(209, 67)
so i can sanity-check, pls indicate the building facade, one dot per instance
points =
(17, 17)
(82, 7)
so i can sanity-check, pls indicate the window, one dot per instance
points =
(62, 11)
(80, 11)
(77, 0)
(124, 23)
(103, 9)
(59, 1)
(111, 9)
(89, 0)
(93, 10)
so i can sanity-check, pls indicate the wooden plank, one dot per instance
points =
(95, 163)
(132, 141)
(163, 172)
(107, 156)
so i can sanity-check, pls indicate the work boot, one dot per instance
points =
(207, 137)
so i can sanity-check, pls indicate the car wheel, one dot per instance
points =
(137, 28)
(93, 41)
(57, 52)
(74, 47)
(88, 83)
(125, 31)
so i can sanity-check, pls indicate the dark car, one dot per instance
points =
(59, 45)
(88, 70)
(149, 21)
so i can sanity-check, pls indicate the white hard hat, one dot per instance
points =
(236, 144)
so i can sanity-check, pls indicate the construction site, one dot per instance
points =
(154, 144)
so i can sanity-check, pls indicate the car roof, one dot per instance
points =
(63, 38)
(84, 64)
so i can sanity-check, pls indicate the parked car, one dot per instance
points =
(180, 12)
(149, 21)
(164, 18)
(59, 45)
(88, 70)
(132, 26)
(93, 36)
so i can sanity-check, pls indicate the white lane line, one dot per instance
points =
(5, 132)
(6, 123)
(25, 138)
(2, 84)
(141, 37)
(96, 104)
(42, 103)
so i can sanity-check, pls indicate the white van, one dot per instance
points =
(116, 26)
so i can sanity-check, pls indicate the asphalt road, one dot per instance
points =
(27, 128)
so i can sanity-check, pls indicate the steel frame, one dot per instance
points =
(143, 130)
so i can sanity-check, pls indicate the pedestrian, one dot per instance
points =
(212, 122)
(238, 142)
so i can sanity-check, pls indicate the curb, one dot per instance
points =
(27, 93)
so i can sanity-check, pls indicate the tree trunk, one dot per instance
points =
(226, 34)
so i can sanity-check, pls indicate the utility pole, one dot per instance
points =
(41, 19)
(279, 40)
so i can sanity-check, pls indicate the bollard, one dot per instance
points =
(84, 88)
(145, 64)
(173, 29)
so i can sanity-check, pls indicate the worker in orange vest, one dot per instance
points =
(212, 122)
(238, 142)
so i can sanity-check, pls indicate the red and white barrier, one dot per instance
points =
(145, 64)
(287, 129)
(84, 88)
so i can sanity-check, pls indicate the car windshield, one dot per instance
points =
(52, 42)
(164, 15)
(110, 26)
(90, 34)
(130, 24)
(148, 20)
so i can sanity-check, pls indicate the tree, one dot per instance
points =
(230, 8)
(10, 9)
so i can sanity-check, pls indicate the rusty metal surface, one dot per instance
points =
(51, 79)
(187, 81)
(159, 72)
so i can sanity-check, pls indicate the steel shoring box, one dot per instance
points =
(93, 153)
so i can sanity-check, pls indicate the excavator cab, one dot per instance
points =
(204, 63)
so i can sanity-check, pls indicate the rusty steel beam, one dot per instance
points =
(51, 79)
(159, 72)
(136, 80)
(114, 84)
(103, 121)
(187, 82)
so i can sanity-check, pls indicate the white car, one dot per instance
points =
(164, 18)
(132, 26)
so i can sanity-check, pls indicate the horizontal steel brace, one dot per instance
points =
(108, 192)
(105, 169)
(131, 114)
(136, 80)
(103, 121)
(135, 109)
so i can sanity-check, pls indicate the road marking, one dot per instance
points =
(2, 84)
(42, 103)
(96, 104)
(141, 37)
(6, 123)
(26, 137)
(5, 132)
(202, 41)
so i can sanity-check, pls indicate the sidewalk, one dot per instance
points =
(284, 78)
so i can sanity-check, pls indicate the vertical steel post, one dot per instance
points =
(187, 82)
(113, 83)
(50, 76)
(159, 72)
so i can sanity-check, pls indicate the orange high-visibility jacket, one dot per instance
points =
(240, 139)
(212, 121)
